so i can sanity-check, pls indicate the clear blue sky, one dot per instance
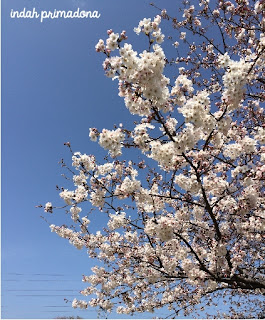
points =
(53, 90)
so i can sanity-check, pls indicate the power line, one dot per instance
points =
(47, 280)
(41, 290)
(45, 295)
(57, 306)
(38, 274)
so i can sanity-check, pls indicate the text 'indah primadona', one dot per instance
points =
(55, 14)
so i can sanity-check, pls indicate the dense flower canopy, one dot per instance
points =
(186, 223)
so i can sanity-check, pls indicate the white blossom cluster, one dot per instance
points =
(234, 80)
(79, 195)
(75, 212)
(141, 137)
(67, 196)
(188, 183)
(182, 85)
(74, 237)
(245, 145)
(215, 185)
(151, 27)
(259, 6)
(163, 153)
(196, 110)
(163, 228)
(112, 141)
(149, 200)
(170, 125)
(128, 186)
(248, 145)
(144, 73)
(232, 150)
(167, 154)
(93, 134)
(97, 198)
(79, 304)
(117, 220)
(82, 159)
(260, 136)
(112, 43)
(48, 207)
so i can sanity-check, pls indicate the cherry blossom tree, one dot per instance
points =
(186, 222)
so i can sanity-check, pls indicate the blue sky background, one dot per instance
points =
(53, 90)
